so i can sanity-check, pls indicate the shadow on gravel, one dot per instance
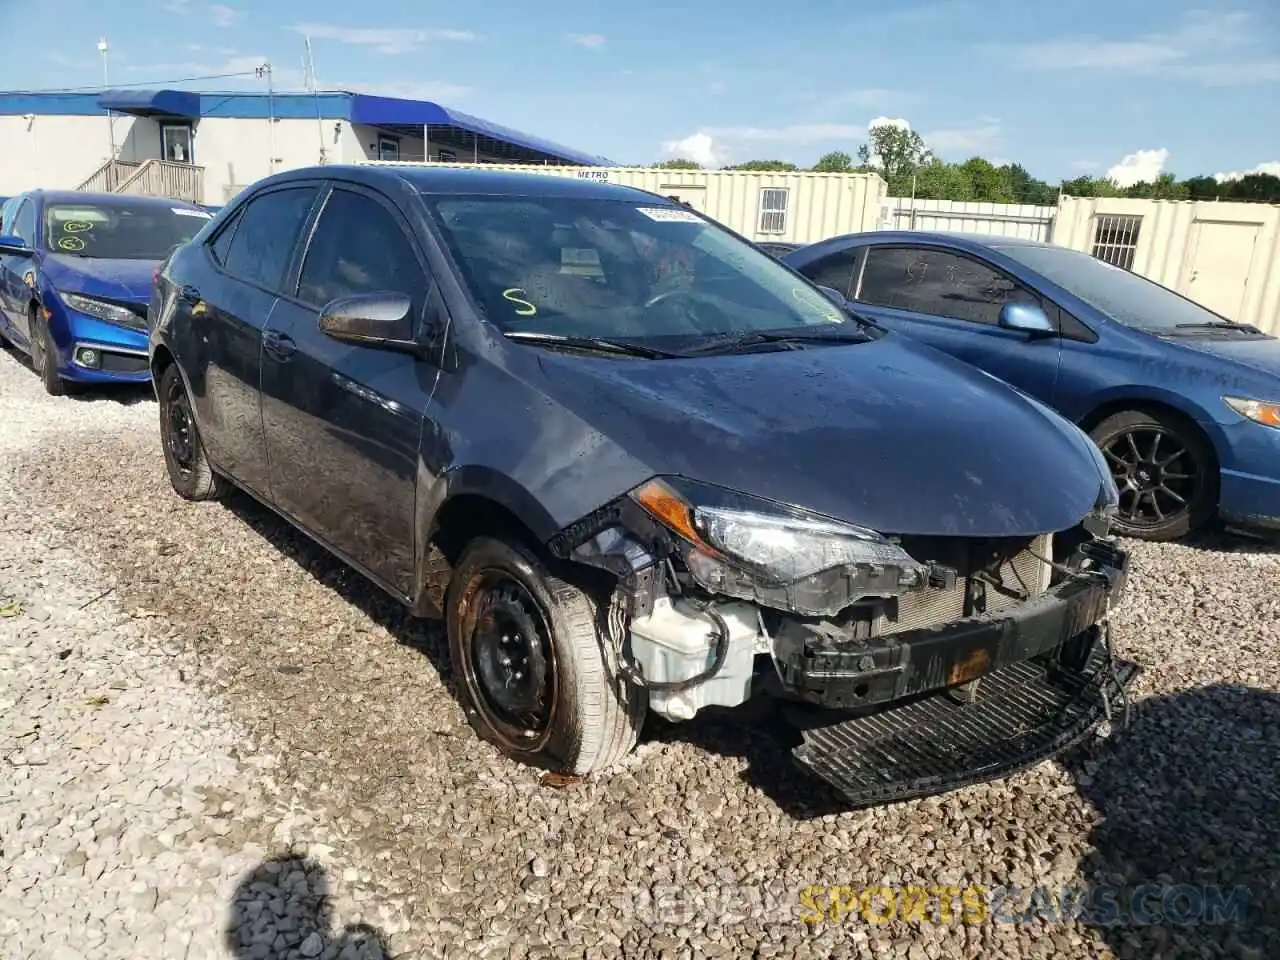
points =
(282, 909)
(1218, 539)
(1187, 857)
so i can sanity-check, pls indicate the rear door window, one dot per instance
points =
(835, 270)
(266, 235)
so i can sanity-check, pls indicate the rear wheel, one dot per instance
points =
(1165, 471)
(44, 354)
(535, 666)
(189, 472)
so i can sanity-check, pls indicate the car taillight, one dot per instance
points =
(155, 276)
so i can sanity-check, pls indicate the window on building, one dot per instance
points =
(938, 283)
(834, 270)
(388, 148)
(1115, 239)
(176, 142)
(446, 156)
(773, 210)
(266, 235)
(359, 247)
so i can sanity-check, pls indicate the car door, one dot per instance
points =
(343, 421)
(15, 287)
(228, 294)
(952, 301)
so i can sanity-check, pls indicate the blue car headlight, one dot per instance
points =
(103, 310)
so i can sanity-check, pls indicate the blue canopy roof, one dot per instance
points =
(393, 112)
(152, 103)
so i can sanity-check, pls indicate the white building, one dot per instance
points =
(208, 146)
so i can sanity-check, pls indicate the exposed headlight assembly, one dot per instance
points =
(102, 310)
(778, 556)
(1259, 411)
(1100, 518)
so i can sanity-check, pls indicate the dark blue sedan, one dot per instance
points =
(1184, 403)
(75, 279)
(636, 464)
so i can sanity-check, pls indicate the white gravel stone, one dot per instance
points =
(219, 742)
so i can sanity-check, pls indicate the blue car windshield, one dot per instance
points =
(1123, 296)
(621, 270)
(119, 230)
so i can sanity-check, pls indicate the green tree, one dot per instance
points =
(763, 165)
(1256, 186)
(938, 180)
(1203, 188)
(677, 164)
(1164, 187)
(896, 154)
(837, 161)
(1091, 187)
(1026, 188)
(986, 182)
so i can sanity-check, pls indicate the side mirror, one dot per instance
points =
(1027, 317)
(834, 295)
(371, 319)
(14, 246)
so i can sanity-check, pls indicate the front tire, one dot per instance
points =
(536, 669)
(190, 474)
(1166, 473)
(44, 355)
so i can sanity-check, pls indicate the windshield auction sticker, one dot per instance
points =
(669, 215)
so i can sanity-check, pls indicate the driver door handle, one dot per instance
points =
(278, 345)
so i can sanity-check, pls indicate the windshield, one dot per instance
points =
(584, 267)
(1125, 297)
(119, 231)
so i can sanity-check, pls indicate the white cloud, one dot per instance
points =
(888, 122)
(1142, 166)
(389, 40)
(698, 147)
(224, 16)
(1198, 48)
(1268, 166)
(587, 39)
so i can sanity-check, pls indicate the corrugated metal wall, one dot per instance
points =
(1024, 220)
(818, 205)
(1223, 255)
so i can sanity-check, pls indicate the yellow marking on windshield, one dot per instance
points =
(71, 244)
(526, 309)
(76, 226)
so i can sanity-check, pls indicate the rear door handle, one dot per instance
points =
(278, 345)
(189, 293)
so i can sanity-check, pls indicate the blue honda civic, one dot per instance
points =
(76, 271)
(1184, 404)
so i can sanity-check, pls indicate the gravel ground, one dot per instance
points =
(218, 742)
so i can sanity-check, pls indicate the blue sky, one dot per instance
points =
(1139, 86)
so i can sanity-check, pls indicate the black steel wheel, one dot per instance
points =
(537, 672)
(1165, 471)
(44, 355)
(190, 474)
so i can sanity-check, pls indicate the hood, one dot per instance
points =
(889, 434)
(1259, 354)
(128, 280)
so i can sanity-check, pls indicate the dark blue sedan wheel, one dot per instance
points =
(1165, 471)
(190, 474)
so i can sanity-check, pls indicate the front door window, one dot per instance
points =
(175, 141)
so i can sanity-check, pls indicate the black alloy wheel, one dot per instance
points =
(1164, 471)
(190, 474)
(44, 354)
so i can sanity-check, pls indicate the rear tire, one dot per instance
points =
(535, 667)
(44, 355)
(1166, 472)
(190, 474)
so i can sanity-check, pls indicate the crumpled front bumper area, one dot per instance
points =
(1026, 713)
(1034, 680)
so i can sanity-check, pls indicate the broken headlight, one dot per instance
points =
(778, 556)
(1099, 520)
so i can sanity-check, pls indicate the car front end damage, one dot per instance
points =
(943, 660)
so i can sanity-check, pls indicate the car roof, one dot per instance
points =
(964, 241)
(475, 180)
(106, 199)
